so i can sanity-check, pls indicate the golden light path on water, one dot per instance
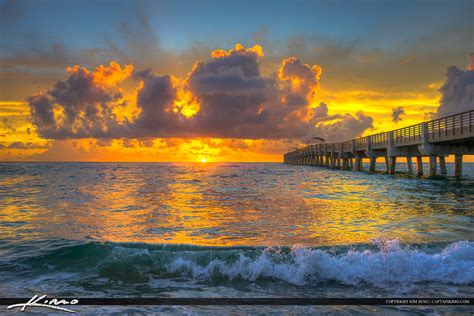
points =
(229, 204)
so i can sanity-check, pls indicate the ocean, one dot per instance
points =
(234, 230)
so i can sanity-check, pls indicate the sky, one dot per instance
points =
(223, 80)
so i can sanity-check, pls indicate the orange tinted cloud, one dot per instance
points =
(239, 49)
(185, 102)
(225, 96)
(300, 76)
(106, 76)
(111, 75)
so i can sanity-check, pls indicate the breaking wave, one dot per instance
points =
(383, 264)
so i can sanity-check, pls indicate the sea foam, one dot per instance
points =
(390, 264)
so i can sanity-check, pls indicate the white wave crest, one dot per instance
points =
(390, 264)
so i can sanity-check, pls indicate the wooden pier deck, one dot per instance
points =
(436, 139)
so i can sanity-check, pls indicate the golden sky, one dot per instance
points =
(145, 90)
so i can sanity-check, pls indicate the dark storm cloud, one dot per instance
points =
(457, 92)
(234, 101)
(397, 114)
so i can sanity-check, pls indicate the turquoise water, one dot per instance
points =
(233, 230)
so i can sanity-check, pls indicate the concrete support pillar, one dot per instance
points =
(410, 165)
(457, 165)
(372, 164)
(351, 163)
(357, 164)
(442, 165)
(432, 166)
(387, 164)
(393, 165)
(419, 165)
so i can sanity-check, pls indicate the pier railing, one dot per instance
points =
(450, 128)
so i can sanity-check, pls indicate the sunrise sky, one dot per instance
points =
(222, 80)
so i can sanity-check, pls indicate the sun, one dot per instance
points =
(203, 159)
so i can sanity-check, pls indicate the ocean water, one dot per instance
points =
(234, 230)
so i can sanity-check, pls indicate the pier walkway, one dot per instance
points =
(436, 139)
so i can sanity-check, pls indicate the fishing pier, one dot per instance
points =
(436, 139)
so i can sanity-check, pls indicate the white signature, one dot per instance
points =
(41, 301)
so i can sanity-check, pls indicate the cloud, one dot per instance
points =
(225, 96)
(339, 127)
(397, 113)
(27, 145)
(457, 92)
(82, 106)
(9, 124)
(54, 56)
(111, 75)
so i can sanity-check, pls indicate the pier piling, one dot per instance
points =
(372, 164)
(457, 165)
(387, 165)
(419, 166)
(393, 165)
(442, 165)
(432, 172)
(409, 165)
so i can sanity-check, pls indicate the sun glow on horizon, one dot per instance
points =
(203, 160)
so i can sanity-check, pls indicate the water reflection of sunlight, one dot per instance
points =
(226, 204)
